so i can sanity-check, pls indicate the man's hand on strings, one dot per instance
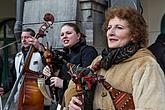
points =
(33, 41)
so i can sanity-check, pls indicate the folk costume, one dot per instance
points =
(131, 69)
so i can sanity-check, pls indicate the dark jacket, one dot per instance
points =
(8, 84)
(158, 49)
(1, 69)
(80, 54)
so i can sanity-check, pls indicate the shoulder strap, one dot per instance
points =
(121, 100)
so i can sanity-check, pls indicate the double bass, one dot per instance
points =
(30, 96)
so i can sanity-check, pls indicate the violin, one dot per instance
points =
(30, 97)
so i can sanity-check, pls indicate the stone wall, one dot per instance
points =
(92, 19)
(63, 11)
(88, 14)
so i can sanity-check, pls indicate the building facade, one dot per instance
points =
(88, 14)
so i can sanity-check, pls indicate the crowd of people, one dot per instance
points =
(132, 72)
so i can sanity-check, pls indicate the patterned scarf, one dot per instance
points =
(112, 56)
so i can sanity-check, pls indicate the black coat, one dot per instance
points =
(158, 49)
(1, 69)
(80, 54)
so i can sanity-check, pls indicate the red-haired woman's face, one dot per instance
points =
(69, 37)
(118, 33)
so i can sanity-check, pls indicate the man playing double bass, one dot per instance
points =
(28, 95)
